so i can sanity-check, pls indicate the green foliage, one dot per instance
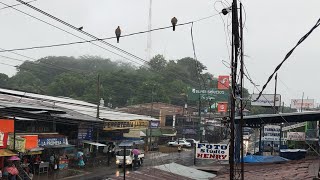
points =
(122, 84)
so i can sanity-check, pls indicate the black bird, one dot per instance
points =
(174, 22)
(118, 33)
(80, 28)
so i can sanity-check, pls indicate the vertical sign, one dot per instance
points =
(223, 82)
(222, 107)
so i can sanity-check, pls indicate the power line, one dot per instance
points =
(73, 27)
(107, 38)
(271, 105)
(288, 55)
(17, 5)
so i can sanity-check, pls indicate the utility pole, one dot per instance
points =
(302, 102)
(151, 116)
(241, 96)
(98, 106)
(149, 40)
(275, 93)
(234, 64)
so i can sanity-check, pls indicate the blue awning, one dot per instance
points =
(263, 159)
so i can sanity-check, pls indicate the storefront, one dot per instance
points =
(56, 145)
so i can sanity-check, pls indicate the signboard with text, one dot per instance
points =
(213, 94)
(271, 133)
(52, 141)
(296, 136)
(212, 151)
(305, 104)
(266, 100)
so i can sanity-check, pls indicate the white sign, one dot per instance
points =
(212, 151)
(296, 136)
(1, 138)
(265, 100)
(307, 103)
(271, 133)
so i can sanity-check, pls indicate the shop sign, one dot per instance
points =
(213, 94)
(212, 151)
(20, 144)
(85, 134)
(271, 133)
(1, 139)
(51, 141)
(296, 136)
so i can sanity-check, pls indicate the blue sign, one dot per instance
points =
(85, 134)
(51, 141)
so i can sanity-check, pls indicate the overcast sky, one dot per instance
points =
(272, 28)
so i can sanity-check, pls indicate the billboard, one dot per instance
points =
(212, 151)
(296, 136)
(271, 133)
(265, 100)
(213, 94)
(223, 82)
(306, 104)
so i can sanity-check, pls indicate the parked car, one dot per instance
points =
(182, 143)
(192, 141)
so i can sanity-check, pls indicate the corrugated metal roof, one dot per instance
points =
(78, 106)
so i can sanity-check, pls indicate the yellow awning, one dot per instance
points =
(6, 152)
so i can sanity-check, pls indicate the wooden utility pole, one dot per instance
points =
(241, 96)
(302, 102)
(275, 94)
(234, 64)
(98, 105)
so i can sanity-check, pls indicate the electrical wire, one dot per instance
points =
(288, 55)
(87, 34)
(16, 5)
(107, 38)
(248, 77)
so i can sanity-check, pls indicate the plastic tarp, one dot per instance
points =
(263, 159)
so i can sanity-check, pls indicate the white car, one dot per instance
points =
(192, 141)
(182, 143)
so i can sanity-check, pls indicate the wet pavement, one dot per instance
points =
(101, 171)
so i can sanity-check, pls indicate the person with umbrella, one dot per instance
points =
(136, 154)
(12, 172)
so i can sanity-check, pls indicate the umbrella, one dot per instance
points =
(80, 154)
(14, 158)
(135, 152)
(12, 170)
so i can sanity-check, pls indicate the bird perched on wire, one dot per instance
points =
(174, 22)
(118, 33)
(80, 28)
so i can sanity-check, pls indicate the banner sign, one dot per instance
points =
(296, 136)
(212, 151)
(306, 104)
(271, 133)
(212, 94)
(265, 100)
(20, 144)
(51, 141)
(223, 82)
